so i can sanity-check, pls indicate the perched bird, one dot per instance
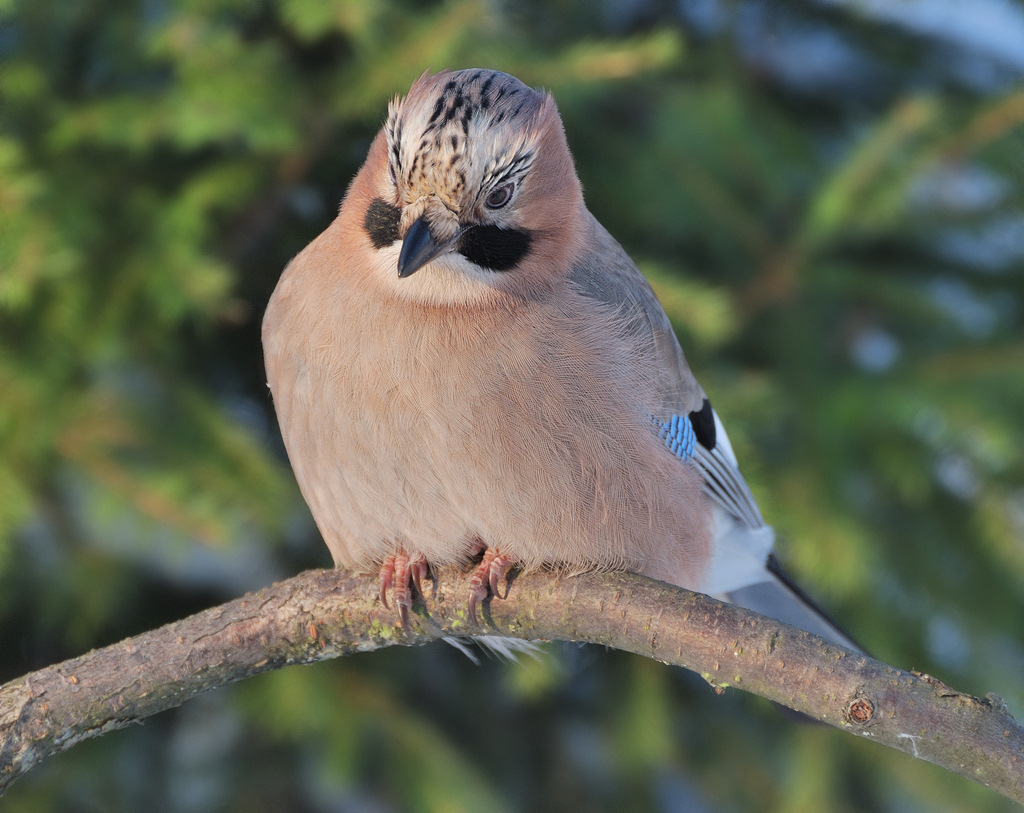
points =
(467, 368)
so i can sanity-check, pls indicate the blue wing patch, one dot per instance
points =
(678, 435)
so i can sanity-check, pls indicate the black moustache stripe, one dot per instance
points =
(493, 248)
(381, 223)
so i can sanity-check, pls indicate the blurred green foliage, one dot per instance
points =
(831, 207)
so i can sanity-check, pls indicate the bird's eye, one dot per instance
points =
(500, 196)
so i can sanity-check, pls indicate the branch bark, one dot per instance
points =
(322, 614)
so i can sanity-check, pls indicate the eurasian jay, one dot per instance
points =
(465, 364)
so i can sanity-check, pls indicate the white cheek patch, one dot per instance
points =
(450, 279)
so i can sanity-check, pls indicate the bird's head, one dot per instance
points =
(470, 189)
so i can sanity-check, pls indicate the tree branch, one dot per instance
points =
(322, 614)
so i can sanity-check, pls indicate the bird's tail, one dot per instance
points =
(780, 597)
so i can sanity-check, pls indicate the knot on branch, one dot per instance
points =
(859, 711)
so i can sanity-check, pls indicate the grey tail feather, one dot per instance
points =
(496, 646)
(782, 598)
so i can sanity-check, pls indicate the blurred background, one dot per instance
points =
(828, 196)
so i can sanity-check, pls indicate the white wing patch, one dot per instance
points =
(723, 481)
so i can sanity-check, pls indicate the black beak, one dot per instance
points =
(418, 249)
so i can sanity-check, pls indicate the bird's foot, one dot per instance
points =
(492, 569)
(399, 573)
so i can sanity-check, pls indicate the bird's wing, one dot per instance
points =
(743, 568)
(683, 418)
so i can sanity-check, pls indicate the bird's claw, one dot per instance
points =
(492, 569)
(399, 574)
(402, 572)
